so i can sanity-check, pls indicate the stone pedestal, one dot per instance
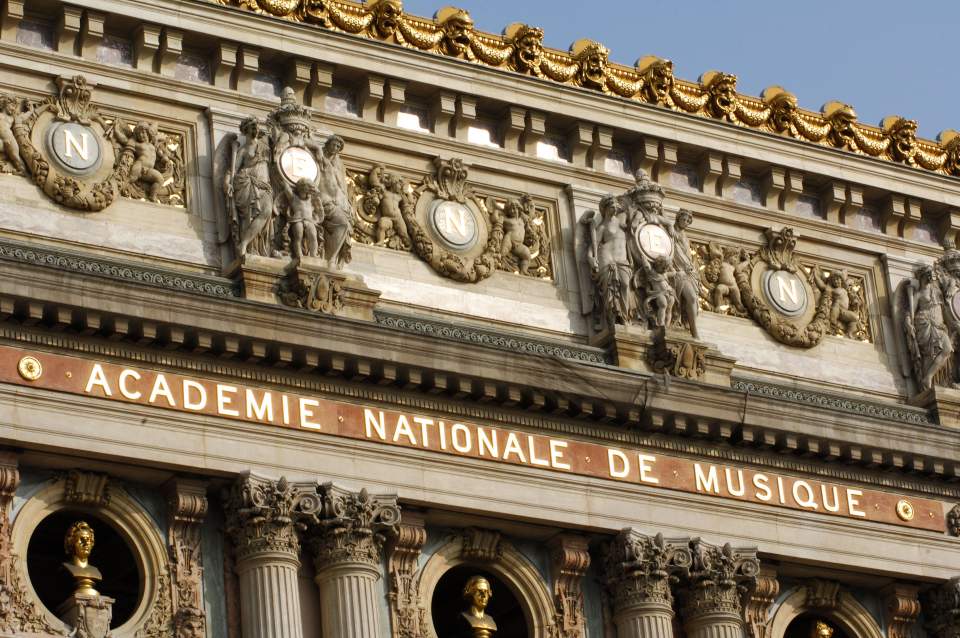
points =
(672, 352)
(313, 286)
(260, 276)
(943, 402)
(90, 616)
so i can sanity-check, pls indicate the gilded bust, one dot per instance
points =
(822, 630)
(477, 593)
(78, 544)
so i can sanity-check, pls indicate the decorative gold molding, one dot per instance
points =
(586, 65)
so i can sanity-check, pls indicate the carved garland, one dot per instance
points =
(520, 49)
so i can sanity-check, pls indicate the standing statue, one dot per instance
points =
(10, 161)
(514, 235)
(477, 593)
(928, 339)
(686, 277)
(78, 545)
(611, 267)
(249, 192)
(337, 210)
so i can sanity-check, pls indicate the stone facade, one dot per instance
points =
(319, 310)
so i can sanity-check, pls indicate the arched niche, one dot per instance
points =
(131, 521)
(510, 566)
(847, 613)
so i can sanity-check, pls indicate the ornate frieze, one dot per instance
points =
(570, 559)
(640, 264)
(83, 159)
(797, 304)
(520, 49)
(928, 311)
(264, 515)
(352, 527)
(462, 235)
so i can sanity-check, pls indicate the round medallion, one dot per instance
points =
(30, 368)
(785, 291)
(75, 147)
(297, 163)
(455, 224)
(654, 241)
(905, 510)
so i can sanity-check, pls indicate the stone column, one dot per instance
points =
(263, 518)
(638, 569)
(711, 599)
(941, 610)
(347, 544)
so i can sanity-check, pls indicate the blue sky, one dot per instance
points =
(882, 57)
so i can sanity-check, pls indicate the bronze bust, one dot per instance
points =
(477, 593)
(78, 544)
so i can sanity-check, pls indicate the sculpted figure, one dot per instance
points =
(386, 17)
(660, 297)
(391, 215)
(927, 336)
(657, 79)
(844, 315)
(477, 593)
(457, 26)
(248, 190)
(842, 119)
(189, 623)
(337, 210)
(78, 545)
(527, 48)
(610, 265)
(686, 276)
(822, 630)
(591, 58)
(514, 234)
(147, 154)
(9, 148)
(722, 88)
(647, 197)
(720, 273)
(303, 219)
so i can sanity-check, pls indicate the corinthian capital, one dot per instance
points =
(718, 578)
(264, 515)
(941, 609)
(640, 568)
(352, 526)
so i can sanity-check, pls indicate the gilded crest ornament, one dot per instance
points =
(83, 159)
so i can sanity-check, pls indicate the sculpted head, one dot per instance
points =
(722, 88)
(783, 107)
(684, 219)
(333, 146)
(842, 119)
(591, 58)
(527, 47)
(661, 264)
(189, 624)
(657, 76)
(903, 137)
(9, 104)
(250, 127)
(512, 209)
(303, 188)
(457, 26)
(822, 630)
(610, 206)
(477, 592)
(386, 17)
(78, 543)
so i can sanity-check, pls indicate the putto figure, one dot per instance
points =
(286, 188)
(477, 592)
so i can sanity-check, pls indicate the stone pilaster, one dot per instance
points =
(186, 509)
(941, 610)
(760, 598)
(408, 615)
(263, 518)
(347, 543)
(712, 594)
(570, 559)
(638, 572)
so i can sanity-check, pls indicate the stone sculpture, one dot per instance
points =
(156, 173)
(78, 544)
(286, 190)
(10, 161)
(477, 593)
(640, 263)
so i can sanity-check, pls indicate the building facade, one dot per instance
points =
(324, 319)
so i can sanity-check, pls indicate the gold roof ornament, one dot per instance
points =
(452, 33)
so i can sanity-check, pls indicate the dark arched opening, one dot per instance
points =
(448, 604)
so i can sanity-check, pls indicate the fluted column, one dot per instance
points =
(263, 517)
(712, 593)
(941, 610)
(347, 544)
(638, 571)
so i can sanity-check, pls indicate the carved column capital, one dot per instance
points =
(408, 614)
(718, 578)
(941, 610)
(639, 568)
(901, 609)
(352, 526)
(570, 559)
(264, 515)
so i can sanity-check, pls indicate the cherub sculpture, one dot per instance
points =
(722, 291)
(304, 216)
(148, 155)
(660, 297)
(514, 235)
(844, 315)
(10, 160)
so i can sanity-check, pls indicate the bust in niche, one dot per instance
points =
(477, 593)
(78, 544)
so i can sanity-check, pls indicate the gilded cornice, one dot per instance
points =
(586, 65)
